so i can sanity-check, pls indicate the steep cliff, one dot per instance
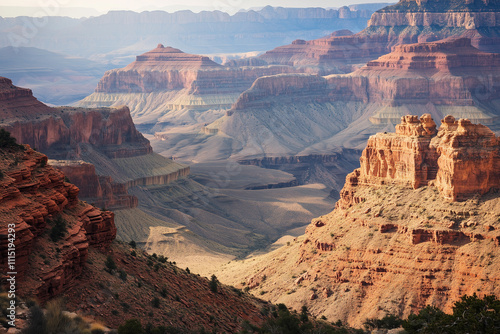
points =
(106, 138)
(59, 131)
(34, 197)
(461, 159)
(301, 113)
(406, 22)
(166, 79)
(389, 248)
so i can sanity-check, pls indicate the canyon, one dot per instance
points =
(167, 88)
(35, 197)
(406, 22)
(409, 230)
(157, 202)
(117, 156)
(302, 114)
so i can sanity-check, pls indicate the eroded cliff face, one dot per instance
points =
(33, 195)
(460, 160)
(99, 136)
(101, 191)
(59, 131)
(166, 79)
(393, 244)
(425, 21)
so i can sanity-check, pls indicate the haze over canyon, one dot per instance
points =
(207, 171)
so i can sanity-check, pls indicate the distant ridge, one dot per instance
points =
(440, 6)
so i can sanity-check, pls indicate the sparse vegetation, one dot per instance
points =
(9, 142)
(123, 275)
(131, 326)
(59, 228)
(110, 264)
(214, 284)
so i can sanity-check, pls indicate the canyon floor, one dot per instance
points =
(221, 212)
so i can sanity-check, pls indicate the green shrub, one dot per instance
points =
(37, 323)
(110, 264)
(123, 275)
(470, 315)
(131, 326)
(214, 284)
(132, 244)
(7, 141)
(59, 229)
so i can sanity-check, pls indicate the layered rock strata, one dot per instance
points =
(166, 79)
(393, 245)
(461, 160)
(59, 131)
(403, 23)
(300, 114)
(101, 191)
(103, 137)
(33, 195)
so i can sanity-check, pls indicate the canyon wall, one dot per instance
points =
(393, 245)
(59, 131)
(100, 136)
(34, 196)
(460, 160)
(424, 22)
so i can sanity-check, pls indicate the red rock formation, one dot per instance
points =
(445, 56)
(469, 159)
(101, 191)
(169, 58)
(462, 158)
(32, 193)
(444, 73)
(428, 21)
(60, 131)
(388, 248)
(167, 69)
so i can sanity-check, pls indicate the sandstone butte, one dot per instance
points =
(417, 224)
(423, 21)
(33, 194)
(166, 79)
(105, 138)
(324, 112)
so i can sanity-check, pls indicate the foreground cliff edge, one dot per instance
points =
(418, 224)
(63, 247)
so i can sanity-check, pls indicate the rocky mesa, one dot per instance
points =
(116, 155)
(416, 225)
(165, 80)
(302, 114)
(409, 21)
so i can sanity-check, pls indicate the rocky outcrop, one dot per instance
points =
(461, 160)
(393, 245)
(425, 21)
(101, 191)
(469, 159)
(34, 196)
(169, 69)
(60, 131)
